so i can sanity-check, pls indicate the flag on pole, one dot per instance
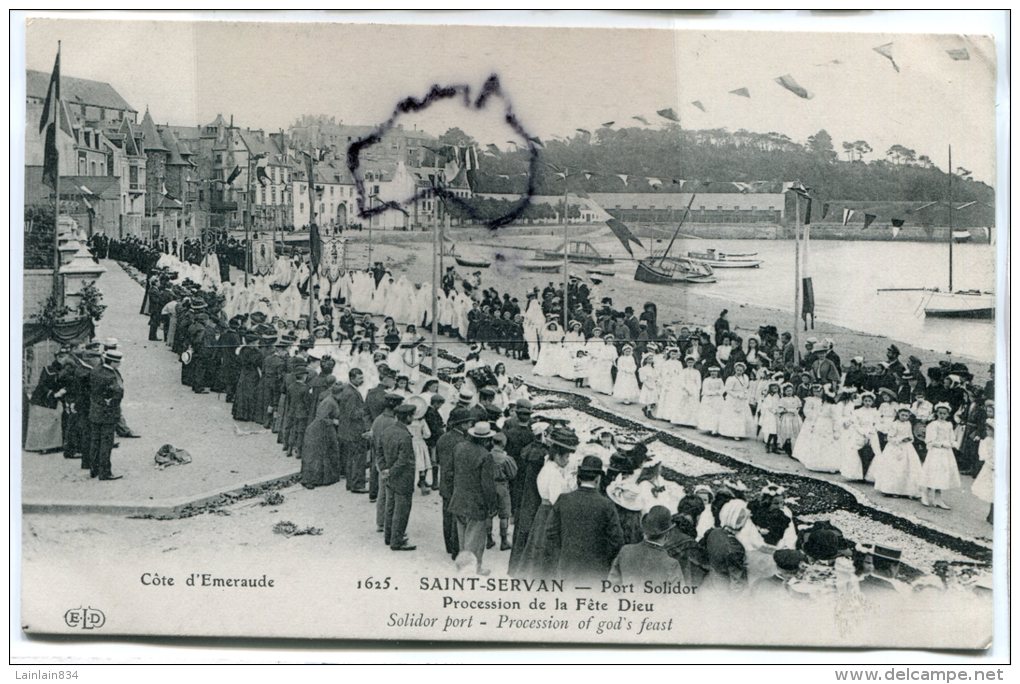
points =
(623, 177)
(958, 54)
(825, 209)
(641, 119)
(623, 234)
(847, 215)
(261, 170)
(886, 51)
(741, 92)
(233, 175)
(697, 103)
(315, 247)
(54, 116)
(669, 114)
(788, 82)
(868, 220)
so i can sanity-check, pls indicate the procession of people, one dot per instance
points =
(335, 369)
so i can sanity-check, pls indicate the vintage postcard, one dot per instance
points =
(509, 334)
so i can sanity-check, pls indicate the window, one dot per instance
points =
(201, 195)
(102, 114)
(332, 190)
(719, 207)
(301, 207)
(133, 174)
(701, 208)
(94, 168)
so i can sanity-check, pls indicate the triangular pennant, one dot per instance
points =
(886, 51)
(741, 92)
(697, 103)
(788, 82)
(847, 215)
(654, 182)
(587, 176)
(623, 234)
(641, 119)
(895, 230)
(560, 174)
(897, 222)
(623, 177)
(958, 54)
(868, 220)
(669, 114)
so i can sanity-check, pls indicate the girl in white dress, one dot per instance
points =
(939, 471)
(687, 397)
(788, 412)
(768, 418)
(984, 484)
(625, 389)
(711, 401)
(897, 470)
(668, 381)
(734, 418)
(601, 377)
(419, 430)
(573, 342)
(824, 454)
(550, 353)
(860, 432)
(812, 407)
(648, 374)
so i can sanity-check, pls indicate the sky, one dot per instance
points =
(557, 79)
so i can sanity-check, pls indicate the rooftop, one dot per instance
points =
(77, 91)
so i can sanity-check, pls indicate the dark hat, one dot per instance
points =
(893, 349)
(657, 522)
(523, 406)
(590, 465)
(404, 410)
(113, 355)
(459, 416)
(487, 392)
(789, 559)
(393, 399)
(913, 360)
(565, 438)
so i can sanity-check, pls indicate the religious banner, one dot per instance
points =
(262, 256)
(331, 260)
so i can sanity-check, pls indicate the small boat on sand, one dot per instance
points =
(717, 259)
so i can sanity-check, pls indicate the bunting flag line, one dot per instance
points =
(847, 215)
(654, 182)
(669, 114)
(886, 51)
(608, 124)
(623, 234)
(741, 92)
(958, 54)
(641, 119)
(697, 103)
(788, 82)
(868, 220)
(623, 177)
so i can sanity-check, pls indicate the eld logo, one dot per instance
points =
(85, 618)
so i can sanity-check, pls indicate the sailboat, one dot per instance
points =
(663, 269)
(960, 303)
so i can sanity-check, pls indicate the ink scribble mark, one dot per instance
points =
(410, 105)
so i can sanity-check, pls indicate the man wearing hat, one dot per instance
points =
(386, 419)
(584, 528)
(648, 559)
(473, 503)
(824, 368)
(106, 392)
(892, 355)
(76, 378)
(298, 409)
(375, 405)
(352, 431)
(446, 447)
(434, 422)
(398, 472)
(230, 365)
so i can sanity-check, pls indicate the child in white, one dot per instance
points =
(768, 419)
(897, 470)
(939, 471)
(626, 389)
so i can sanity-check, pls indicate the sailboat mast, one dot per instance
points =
(950, 218)
(683, 218)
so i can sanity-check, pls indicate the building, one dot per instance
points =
(707, 207)
(88, 100)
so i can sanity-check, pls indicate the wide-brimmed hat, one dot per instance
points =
(563, 437)
(943, 405)
(466, 394)
(482, 428)
(420, 406)
(657, 521)
(113, 355)
(459, 416)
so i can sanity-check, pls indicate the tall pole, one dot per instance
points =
(371, 220)
(311, 222)
(796, 280)
(58, 293)
(950, 218)
(566, 271)
(435, 287)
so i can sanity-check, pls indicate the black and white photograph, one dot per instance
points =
(611, 336)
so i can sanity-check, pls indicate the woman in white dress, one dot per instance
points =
(734, 418)
(823, 454)
(550, 355)
(939, 471)
(601, 377)
(859, 433)
(984, 484)
(573, 342)
(768, 418)
(687, 399)
(897, 470)
(625, 389)
(789, 418)
(712, 389)
(805, 439)
(668, 381)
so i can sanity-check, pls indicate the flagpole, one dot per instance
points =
(435, 284)
(796, 280)
(311, 256)
(58, 293)
(950, 219)
(566, 271)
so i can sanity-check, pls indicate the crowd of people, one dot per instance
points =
(350, 400)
